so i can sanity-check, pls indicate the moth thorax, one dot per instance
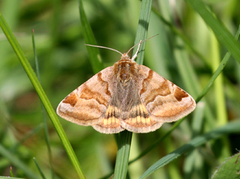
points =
(124, 76)
(124, 73)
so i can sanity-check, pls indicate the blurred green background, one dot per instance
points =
(64, 65)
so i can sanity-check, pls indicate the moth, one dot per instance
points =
(126, 96)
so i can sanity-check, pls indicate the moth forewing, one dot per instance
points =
(164, 100)
(86, 104)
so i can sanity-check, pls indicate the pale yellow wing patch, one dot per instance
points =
(110, 122)
(139, 120)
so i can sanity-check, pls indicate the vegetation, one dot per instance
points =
(196, 48)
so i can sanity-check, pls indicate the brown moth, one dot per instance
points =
(126, 96)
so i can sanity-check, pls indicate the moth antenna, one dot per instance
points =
(138, 44)
(135, 55)
(98, 46)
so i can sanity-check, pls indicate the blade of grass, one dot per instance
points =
(33, 78)
(218, 28)
(39, 169)
(158, 50)
(179, 33)
(43, 110)
(17, 162)
(142, 28)
(198, 116)
(94, 53)
(11, 10)
(190, 164)
(218, 71)
(218, 84)
(125, 137)
(229, 128)
(185, 68)
(124, 145)
(189, 77)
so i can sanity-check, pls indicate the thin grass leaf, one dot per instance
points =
(198, 117)
(190, 161)
(17, 162)
(185, 68)
(94, 53)
(232, 127)
(221, 32)
(158, 50)
(124, 145)
(220, 103)
(125, 137)
(190, 164)
(179, 33)
(218, 71)
(221, 113)
(142, 28)
(190, 80)
(11, 10)
(189, 76)
(42, 107)
(39, 169)
(27, 67)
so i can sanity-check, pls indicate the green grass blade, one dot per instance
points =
(231, 127)
(221, 32)
(43, 110)
(94, 53)
(124, 145)
(17, 162)
(198, 118)
(181, 35)
(142, 28)
(185, 68)
(218, 71)
(33, 78)
(39, 169)
(125, 137)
